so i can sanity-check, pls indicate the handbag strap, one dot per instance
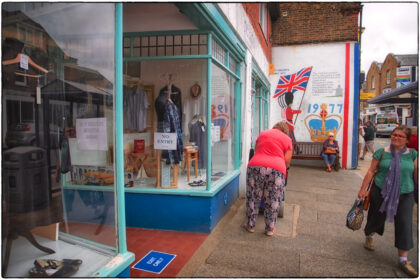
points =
(376, 171)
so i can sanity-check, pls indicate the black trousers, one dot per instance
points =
(403, 222)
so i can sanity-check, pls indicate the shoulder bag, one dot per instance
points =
(366, 201)
(330, 151)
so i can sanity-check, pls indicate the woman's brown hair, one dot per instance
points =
(406, 130)
(282, 126)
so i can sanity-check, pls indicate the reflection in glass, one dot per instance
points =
(67, 83)
(223, 111)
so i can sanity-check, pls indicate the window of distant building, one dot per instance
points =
(372, 83)
(263, 18)
(388, 77)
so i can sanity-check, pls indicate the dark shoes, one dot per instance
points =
(54, 268)
(197, 183)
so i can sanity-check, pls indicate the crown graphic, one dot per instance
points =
(319, 126)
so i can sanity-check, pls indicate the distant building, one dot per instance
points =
(394, 72)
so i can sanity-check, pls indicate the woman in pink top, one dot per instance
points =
(266, 176)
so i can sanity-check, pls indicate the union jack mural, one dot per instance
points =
(294, 82)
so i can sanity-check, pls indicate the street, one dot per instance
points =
(311, 239)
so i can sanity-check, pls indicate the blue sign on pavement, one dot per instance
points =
(154, 262)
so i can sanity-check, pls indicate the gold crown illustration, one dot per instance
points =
(320, 126)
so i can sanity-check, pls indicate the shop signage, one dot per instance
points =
(91, 134)
(154, 262)
(366, 95)
(165, 141)
(403, 76)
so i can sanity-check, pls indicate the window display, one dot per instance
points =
(175, 140)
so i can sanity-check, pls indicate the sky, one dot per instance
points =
(389, 28)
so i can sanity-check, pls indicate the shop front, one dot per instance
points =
(182, 96)
(127, 117)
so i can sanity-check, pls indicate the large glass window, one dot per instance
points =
(57, 156)
(223, 112)
(165, 103)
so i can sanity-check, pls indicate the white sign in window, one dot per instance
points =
(24, 61)
(91, 134)
(165, 141)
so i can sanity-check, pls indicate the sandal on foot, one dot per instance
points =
(270, 232)
(248, 228)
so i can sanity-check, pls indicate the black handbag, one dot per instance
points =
(355, 216)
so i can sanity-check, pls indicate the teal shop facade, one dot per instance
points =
(89, 86)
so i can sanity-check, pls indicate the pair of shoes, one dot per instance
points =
(369, 244)
(197, 183)
(270, 232)
(362, 158)
(248, 228)
(408, 269)
(54, 268)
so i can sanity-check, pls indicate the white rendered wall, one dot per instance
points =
(326, 86)
(239, 20)
(236, 15)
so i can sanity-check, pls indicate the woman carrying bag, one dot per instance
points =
(391, 197)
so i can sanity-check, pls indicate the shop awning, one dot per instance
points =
(405, 94)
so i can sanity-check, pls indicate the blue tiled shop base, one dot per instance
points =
(178, 212)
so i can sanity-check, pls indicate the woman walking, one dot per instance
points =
(266, 174)
(392, 196)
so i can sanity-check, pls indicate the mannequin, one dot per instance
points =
(169, 122)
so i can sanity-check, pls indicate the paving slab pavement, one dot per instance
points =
(311, 240)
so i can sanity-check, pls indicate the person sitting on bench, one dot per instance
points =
(329, 151)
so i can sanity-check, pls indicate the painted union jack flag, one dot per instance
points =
(294, 82)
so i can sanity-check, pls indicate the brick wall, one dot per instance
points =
(374, 72)
(390, 64)
(304, 23)
(253, 12)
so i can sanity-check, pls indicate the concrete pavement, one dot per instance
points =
(311, 240)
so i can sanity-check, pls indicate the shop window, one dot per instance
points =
(68, 136)
(263, 18)
(167, 97)
(233, 65)
(218, 52)
(168, 45)
(223, 110)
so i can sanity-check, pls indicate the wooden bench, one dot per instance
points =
(311, 151)
(307, 150)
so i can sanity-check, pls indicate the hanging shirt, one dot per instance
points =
(191, 108)
(199, 137)
(135, 106)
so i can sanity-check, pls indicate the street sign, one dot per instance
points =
(154, 262)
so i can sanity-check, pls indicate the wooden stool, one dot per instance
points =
(136, 160)
(191, 155)
(175, 167)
